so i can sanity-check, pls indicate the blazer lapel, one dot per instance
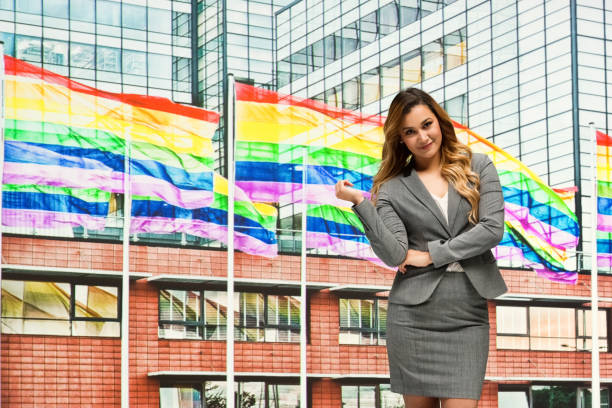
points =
(418, 189)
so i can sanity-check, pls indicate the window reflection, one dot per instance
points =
(363, 321)
(388, 18)
(370, 396)
(160, 66)
(390, 78)
(28, 48)
(82, 55)
(108, 12)
(433, 59)
(82, 10)
(159, 20)
(180, 397)
(350, 38)
(455, 50)
(55, 8)
(134, 16)
(108, 59)
(134, 62)
(59, 308)
(411, 69)
(28, 6)
(548, 328)
(370, 87)
(55, 52)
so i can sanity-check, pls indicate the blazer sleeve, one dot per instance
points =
(486, 234)
(384, 229)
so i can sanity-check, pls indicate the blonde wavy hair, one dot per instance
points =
(455, 157)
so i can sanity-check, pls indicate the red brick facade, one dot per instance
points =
(56, 371)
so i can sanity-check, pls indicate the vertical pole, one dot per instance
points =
(595, 386)
(303, 323)
(231, 176)
(125, 277)
(2, 76)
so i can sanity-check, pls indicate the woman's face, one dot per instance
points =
(420, 132)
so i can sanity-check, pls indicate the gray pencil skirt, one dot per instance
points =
(439, 348)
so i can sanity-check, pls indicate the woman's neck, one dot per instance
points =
(428, 165)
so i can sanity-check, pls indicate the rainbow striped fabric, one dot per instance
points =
(276, 134)
(604, 200)
(59, 132)
(65, 147)
(254, 223)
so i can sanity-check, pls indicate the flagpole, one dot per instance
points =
(2, 76)
(303, 325)
(231, 176)
(125, 276)
(595, 381)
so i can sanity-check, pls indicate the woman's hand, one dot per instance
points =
(415, 258)
(344, 191)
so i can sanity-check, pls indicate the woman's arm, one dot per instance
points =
(384, 229)
(484, 235)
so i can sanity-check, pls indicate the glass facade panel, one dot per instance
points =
(370, 87)
(82, 55)
(513, 399)
(28, 48)
(28, 6)
(133, 16)
(55, 52)
(55, 8)
(455, 49)
(83, 10)
(390, 78)
(108, 12)
(108, 59)
(160, 66)
(433, 59)
(159, 20)
(411, 69)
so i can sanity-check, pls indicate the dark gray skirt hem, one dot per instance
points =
(436, 394)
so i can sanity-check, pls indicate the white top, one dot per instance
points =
(443, 205)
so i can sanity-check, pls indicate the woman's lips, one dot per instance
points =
(427, 146)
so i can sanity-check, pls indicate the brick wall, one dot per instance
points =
(55, 371)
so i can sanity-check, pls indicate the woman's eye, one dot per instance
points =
(426, 125)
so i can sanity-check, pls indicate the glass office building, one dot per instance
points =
(129, 47)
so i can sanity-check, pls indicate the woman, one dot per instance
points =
(437, 210)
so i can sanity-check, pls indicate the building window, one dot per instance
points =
(457, 109)
(433, 59)
(548, 328)
(411, 69)
(187, 314)
(370, 396)
(28, 48)
(59, 308)
(455, 49)
(82, 55)
(548, 396)
(108, 59)
(363, 321)
(370, 87)
(262, 394)
(262, 317)
(390, 78)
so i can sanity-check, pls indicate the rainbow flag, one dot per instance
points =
(34, 207)
(339, 230)
(535, 216)
(254, 223)
(276, 134)
(604, 200)
(59, 132)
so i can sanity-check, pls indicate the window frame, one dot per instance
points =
(577, 338)
(73, 282)
(381, 334)
(204, 327)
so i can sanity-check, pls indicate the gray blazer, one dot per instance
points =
(407, 217)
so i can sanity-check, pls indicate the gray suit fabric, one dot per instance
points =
(407, 217)
(437, 322)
